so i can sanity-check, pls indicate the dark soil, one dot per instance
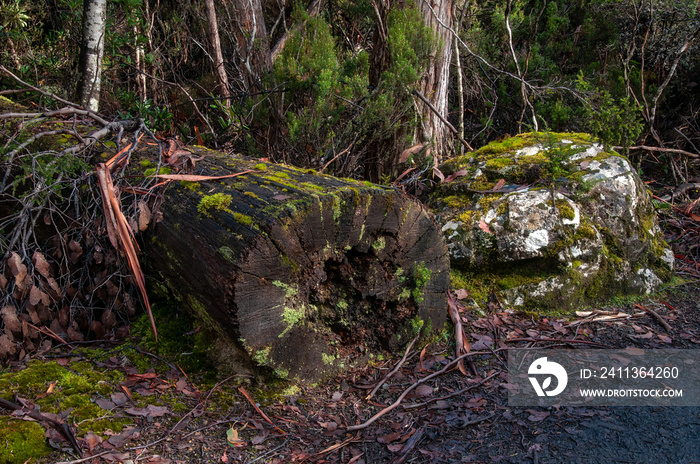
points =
(476, 426)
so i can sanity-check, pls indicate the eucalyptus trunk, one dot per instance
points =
(437, 15)
(216, 48)
(91, 53)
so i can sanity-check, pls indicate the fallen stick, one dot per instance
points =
(656, 316)
(396, 403)
(570, 340)
(394, 371)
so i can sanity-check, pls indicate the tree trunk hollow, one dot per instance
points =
(299, 273)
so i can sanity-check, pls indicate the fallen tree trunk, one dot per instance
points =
(297, 272)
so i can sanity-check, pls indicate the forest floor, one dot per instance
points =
(182, 422)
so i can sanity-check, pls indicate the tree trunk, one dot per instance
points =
(91, 52)
(216, 48)
(252, 58)
(435, 81)
(297, 273)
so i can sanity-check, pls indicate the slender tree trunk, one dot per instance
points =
(218, 56)
(435, 81)
(252, 58)
(140, 65)
(13, 53)
(91, 52)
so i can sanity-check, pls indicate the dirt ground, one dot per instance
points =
(447, 417)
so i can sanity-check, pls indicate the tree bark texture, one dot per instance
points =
(216, 48)
(252, 58)
(298, 273)
(91, 52)
(435, 81)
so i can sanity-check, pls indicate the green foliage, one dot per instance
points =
(616, 121)
(421, 278)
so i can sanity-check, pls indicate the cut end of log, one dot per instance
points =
(297, 273)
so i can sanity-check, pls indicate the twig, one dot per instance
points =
(89, 113)
(260, 411)
(459, 392)
(394, 371)
(585, 342)
(264, 455)
(442, 118)
(46, 331)
(665, 150)
(656, 316)
(88, 458)
(396, 403)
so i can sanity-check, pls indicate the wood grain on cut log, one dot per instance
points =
(298, 272)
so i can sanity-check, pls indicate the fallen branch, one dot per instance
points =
(442, 118)
(396, 403)
(60, 426)
(661, 149)
(570, 340)
(88, 113)
(394, 371)
(461, 342)
(656, 316)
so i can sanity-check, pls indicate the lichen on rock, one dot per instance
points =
(569, 212)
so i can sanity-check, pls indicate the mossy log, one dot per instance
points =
(295, 272)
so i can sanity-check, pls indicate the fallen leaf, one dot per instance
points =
(537, 416)
(232, 438)
(386, 439)
(483, 226)
(337, 396)
(499, 185)
(453, 176)
(395, 448)
(461, 294)
(664, 338)
(104, 403)
(424, 390)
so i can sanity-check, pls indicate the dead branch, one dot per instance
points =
(394, 371)
(656, 316)
(442, 118)
(88, 113)
(661, 149)
(570, 340)
(396, 403)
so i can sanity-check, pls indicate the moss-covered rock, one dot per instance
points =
(570, 224)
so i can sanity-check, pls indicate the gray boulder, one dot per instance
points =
(549, 221)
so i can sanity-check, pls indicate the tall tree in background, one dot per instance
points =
(91, 53)
(216, 47)
(434, 83)
(252, 59)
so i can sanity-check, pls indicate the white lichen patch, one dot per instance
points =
(537, 240)
(669, 258)
(591, 151)
(649, 280)
(529, 151)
